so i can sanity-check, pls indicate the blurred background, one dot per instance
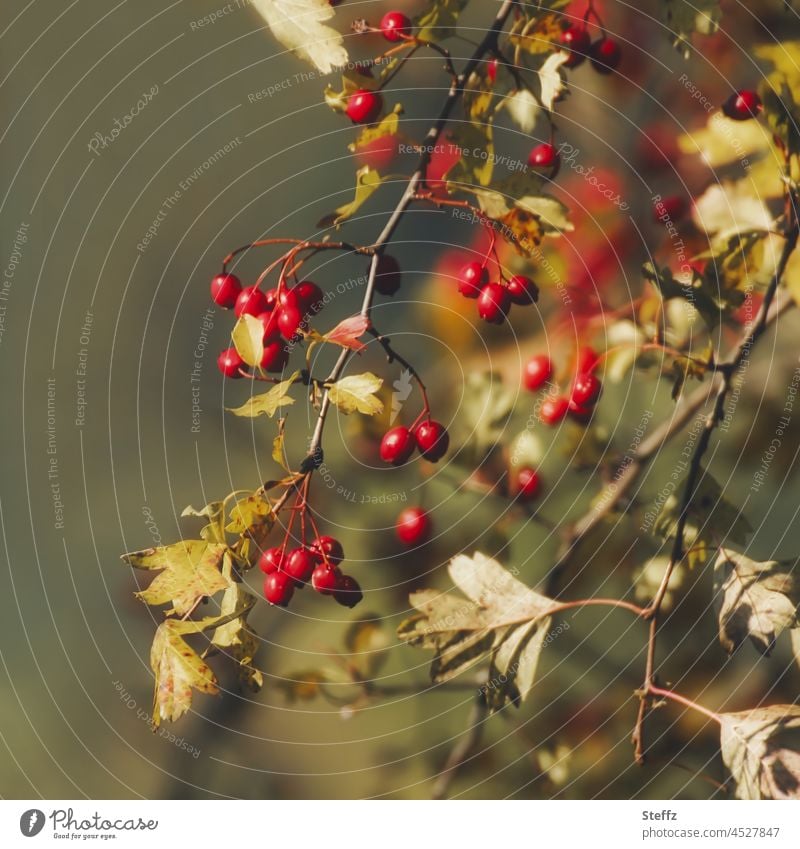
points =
(110, 234)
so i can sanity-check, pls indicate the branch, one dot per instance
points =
(461, 752)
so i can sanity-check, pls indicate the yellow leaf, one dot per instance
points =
(277, 445)
(523, 107)
(357, 393)
(248, 339)
(250, 512)
(537, 35)
(189, 570)
(367, 180)
(387, 126)
(551, 81)
(214, 531)
(269, 402)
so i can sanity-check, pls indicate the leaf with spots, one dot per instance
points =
(356, 392)
(268, 403)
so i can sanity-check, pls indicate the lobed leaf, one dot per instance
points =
(356, 393)
(268, 403)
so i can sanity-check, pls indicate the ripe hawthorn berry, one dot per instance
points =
(394, 25)
(334, 552)
(494, 302)
(251, 301)
(309, 297)
(432, 440)
(472, 278)
(364, 106)
(387, 275)
(300, 564)
(229, 362)
(347, 591)
(576, 41)
(275, 355)
(413, 526)
(544, 156)
(272, 560)
(289, 320)
(586, 360)
(325, 578)
(522, 290)
(554, 409)
(278, 588)
(225, 289)
(605, 54)
(742, 105)
(397, 446)
(538, 370)
(528, 484)
(585, 390)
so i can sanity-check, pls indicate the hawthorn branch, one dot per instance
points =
(463, 749)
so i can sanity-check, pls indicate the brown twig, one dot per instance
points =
(461, 752)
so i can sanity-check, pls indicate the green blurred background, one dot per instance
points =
(72, 637)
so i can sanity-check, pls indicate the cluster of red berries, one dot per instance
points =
(583, 395)
(429, 437)
(281, 313)
(317, 563)
(604, 53)
(495, 299)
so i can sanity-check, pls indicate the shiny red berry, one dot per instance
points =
(538, 370)
(522, 290)
(494, 302)
(585, 390)
(278, 588)
(605, 54)
(334, 552)
(347, 591)
(528, 484)
(742, 105)
(544, 156)
(309, 297)
(272, 560)
(225, 289)
(491, 69)
(471, 279)
(576, 41)
(387, 275)
(397, 446)
(251, 301)
(229, 362)
(413, 526)
(289, 320)
(364, 106)
(325, 578)
(275, 355)
(432, 440)
(300, 564)
(553, 410)
(394, 25)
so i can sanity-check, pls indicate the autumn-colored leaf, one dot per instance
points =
(248, 339)
(357, 393)
(367, 181)
(347, 333)
(268, 403)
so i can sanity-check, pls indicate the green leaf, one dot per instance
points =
(356, 392)
(248, 339)
(189, 570)
(439, 21)
(475, 166)
(367, 181)
(759, 600)
(761, 748)
(778, 91)
(686, 17)
(268, 403)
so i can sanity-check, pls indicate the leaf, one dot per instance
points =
(759, 600)
(346, 333)
(552, 213)
(236, 636)
(249, 516)
(476, 163)
(277, 445)
(367, 180)
(356, 392)
(728, 208)
(248, 339)
(439, 21)
(214, 531)
(497, 617)
(778, 91)
(551, 80)
(695, 366)
(523, 108)
(761, 748)
(189, 570)
(268, 403)
(478, 96)
(485, 409)
(698, 291)
(723, 141)
(387, 126)
(686, 17)
(539, 34)
(368, 643)
(297, 24)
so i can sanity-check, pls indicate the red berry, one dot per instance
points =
(325, 578)
(289, 320)
(528, 484)
(491, 69)
(580, 414)
(364, 106)
(413, 526)
(523, 290)
(673, 208)
(397, 446)
(394, 25)
(309, 297)
(251, 301)
(576, 41)
(272, 560)
(586, 360)
(471, 279)
(387, 275)
(494, 303)
(334, 552)
(544, 156)
(605, 54)
(275, 355)
(348, 592)
(300, 564)
(225, 290)
(742, 105)
(278, 588)
(269, 320)
(272, 299)
(585, 390)
(538, 370)
(229, 362)
(432, 440)
(553, 409)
